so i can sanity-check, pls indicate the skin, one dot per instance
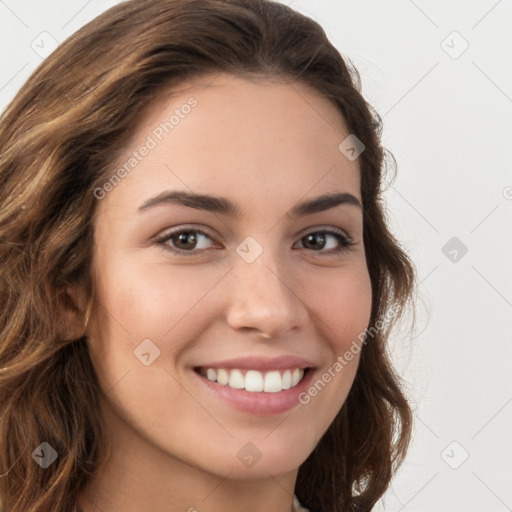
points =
(266, 146)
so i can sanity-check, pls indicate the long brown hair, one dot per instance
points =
(58, 138)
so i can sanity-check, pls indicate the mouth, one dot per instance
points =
(266, 391)
(254, 381)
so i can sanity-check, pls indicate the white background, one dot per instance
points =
(447, 119)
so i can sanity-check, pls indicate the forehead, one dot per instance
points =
(223, 135)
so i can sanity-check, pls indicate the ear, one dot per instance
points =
(72, 306)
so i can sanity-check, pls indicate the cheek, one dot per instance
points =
(151, 301)
(342, 311)
(342, 303)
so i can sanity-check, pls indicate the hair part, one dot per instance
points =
(58, 141)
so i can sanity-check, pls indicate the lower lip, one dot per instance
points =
(260, 403)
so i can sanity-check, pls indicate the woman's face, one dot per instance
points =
(185, 320)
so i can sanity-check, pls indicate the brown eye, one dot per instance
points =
(183, 241)
(317, 240)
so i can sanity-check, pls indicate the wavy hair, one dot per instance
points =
(58, 141)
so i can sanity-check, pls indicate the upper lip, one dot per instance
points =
(260, 363)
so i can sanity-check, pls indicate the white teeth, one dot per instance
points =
(236, 380)
(296, 376)
(255, 381)
(222, 376)
(273, 382)
(287, 379)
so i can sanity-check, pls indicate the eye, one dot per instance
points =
(315, 238)
(185, 240)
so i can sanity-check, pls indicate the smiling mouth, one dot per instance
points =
(254, 381)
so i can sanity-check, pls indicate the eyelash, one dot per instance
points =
(345, 242)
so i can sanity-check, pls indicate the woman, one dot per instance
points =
(197, 279)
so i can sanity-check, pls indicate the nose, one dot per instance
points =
(263, 298)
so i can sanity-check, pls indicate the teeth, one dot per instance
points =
(296, 376)
(222, 377)
(254, 380)
(287, 379)
(273, 382)
(236, 380)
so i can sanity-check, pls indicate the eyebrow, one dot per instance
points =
(227, 207)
